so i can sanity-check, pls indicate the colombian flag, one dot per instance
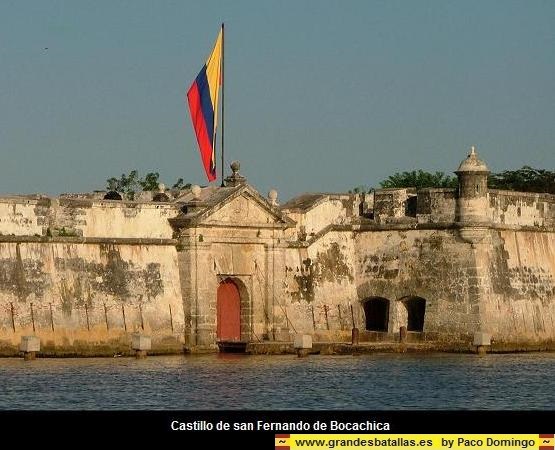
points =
(203, 104)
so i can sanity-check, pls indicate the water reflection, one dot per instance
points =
(234, 381)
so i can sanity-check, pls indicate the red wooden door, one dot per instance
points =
(229, 312)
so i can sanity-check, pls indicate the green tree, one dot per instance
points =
(361, 189)
(126, 184)
(526, 179)
(419, 179)
(150, 182)
(179, 184)
(130, 184)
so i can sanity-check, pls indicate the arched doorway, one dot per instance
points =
(228, 312)
(416, 310)
(376, 310)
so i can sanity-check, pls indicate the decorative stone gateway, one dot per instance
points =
(84, 272)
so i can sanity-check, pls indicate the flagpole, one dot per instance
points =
(223, 97)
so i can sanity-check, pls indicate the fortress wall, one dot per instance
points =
(520, 303)
(439, 206)
(64, 282)
(431, 264)
(391, 203)
(336, 209)
(319, 280)
(113, 219)
(519, 208)
(130, 220)
(64, 255)
(322, 215)
(20, 216)
(436, 205)
(84, 217)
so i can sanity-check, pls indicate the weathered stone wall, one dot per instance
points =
(519, 285)
(129, 220)
(329, 210)
(74, 296)
(436, 205)
(319, 287)
(21, 216)
(73, 267)
(519, 208)
(430, 264)
(393, 204)
(503, 285)
(84, 217)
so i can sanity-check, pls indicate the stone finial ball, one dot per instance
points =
(161, 187)
(235, 166)
(272, 195)
(196, 190)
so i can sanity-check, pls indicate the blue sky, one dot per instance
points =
(320, 95)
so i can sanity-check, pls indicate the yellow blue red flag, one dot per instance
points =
(203, 105)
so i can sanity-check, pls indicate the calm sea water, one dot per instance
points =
(379, 381)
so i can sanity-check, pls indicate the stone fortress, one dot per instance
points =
(198, 267)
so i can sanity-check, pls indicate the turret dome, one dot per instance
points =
(472, 163)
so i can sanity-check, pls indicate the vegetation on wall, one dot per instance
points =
(129, 184)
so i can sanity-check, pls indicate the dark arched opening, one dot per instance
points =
(416, 310)
(112, 195)
(160, 197)
(376, 310)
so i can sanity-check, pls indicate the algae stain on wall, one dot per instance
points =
(331, 265)
(75, 295)
(21, 277)
(109, 276)
(305, 281)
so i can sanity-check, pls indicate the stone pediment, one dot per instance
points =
(242, 210)
(240, 206)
